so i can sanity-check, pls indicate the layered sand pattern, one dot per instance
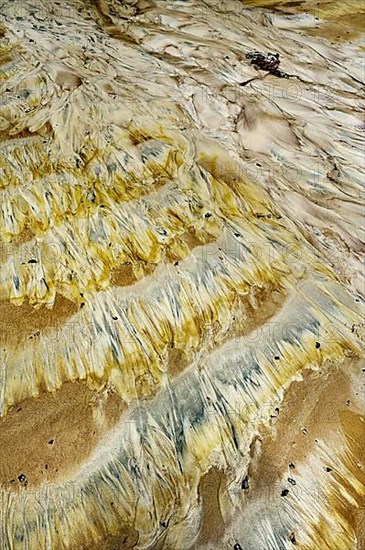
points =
(181, 277)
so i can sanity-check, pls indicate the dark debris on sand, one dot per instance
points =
(267, 62)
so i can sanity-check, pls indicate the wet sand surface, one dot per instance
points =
(181, 275)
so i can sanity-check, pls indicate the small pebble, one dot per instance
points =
(292, 538)
(245, 484)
